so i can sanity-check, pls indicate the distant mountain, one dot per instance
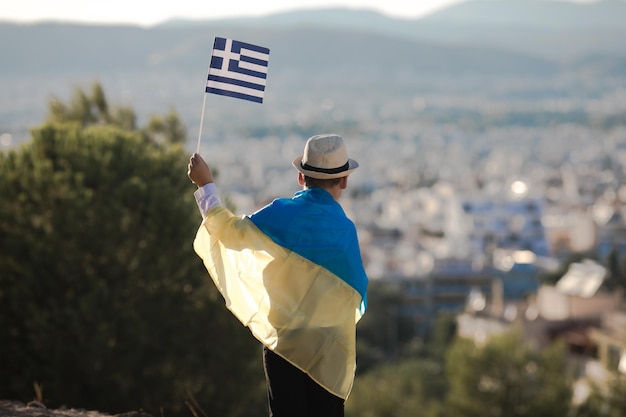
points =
(335, 18)
(549, 28)
(504, 49)
(554, 15)
(557, 29)
(484, 36)
(57, 48)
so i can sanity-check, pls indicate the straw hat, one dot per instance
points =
(325, 157)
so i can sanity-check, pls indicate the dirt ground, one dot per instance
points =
(37, 409)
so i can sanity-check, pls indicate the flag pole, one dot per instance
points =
(201, 120)
(203, 106)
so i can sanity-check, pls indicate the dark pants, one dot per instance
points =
(292, 393)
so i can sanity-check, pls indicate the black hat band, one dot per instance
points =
(342, 168)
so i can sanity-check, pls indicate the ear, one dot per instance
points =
(300, 179)
(344, 183)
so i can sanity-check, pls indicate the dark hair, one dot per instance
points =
(321, 183)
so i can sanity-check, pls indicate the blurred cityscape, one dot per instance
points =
(473, 183)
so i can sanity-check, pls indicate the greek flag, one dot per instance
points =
(238, 69)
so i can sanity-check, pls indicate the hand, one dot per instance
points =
(198, 171)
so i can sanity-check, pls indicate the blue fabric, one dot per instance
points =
(313, 225)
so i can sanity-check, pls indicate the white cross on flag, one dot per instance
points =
(238, 69)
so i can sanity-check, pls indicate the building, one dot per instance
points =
(578, 310)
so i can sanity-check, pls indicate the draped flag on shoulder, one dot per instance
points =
(300, 303)
(238, 69)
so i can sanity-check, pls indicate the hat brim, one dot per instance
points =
(297, 164)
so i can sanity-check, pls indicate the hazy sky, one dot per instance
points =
(146, 12)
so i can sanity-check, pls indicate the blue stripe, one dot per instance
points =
(233, 66)
(237, 45)
(314, 225)
(234, 94)
(233, 81)
(252, 60)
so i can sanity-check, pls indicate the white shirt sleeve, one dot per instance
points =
(206, 197)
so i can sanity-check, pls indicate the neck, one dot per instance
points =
(335, 192)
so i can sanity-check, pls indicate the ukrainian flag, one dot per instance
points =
(288, 294)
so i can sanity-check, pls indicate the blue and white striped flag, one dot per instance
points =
(238, 69)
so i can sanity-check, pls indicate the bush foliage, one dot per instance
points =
(103, 302)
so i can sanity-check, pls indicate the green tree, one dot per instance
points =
(442, 336)
(379, 332)
(86, 109)
(93, 108)
(168, 129)
(506, 378)
(606, 401)
(615, 262)
(407, 388)
(103, 302)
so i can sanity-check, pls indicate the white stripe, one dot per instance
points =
(253, 67)
(237, 76)
(235, 88)
(255, 54)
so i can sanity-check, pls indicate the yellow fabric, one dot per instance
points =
(296, 308)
